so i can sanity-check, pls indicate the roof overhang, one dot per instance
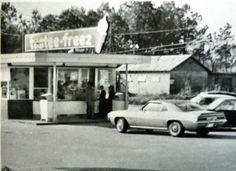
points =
(73, 59)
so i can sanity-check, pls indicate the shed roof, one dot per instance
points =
(158, 63)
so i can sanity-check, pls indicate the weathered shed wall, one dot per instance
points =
(222, 82)
(148, 83)
(188, 78)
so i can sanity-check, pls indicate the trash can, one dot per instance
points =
(46, 107)
(118, 103)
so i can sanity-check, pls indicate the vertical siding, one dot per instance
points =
(189, 72)
(148, 83)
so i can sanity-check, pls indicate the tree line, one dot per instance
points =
(135, 28)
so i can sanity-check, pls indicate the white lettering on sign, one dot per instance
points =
(92, 37)
(54, 42)
(78, 38)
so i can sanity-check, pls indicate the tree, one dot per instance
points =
(49, 23)
(215, 50)
(35, 21)
(72, 18)
(167, 20)
(10, 36)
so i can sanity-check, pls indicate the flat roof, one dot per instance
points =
(73, 59)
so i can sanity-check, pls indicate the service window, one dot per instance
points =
(40, 82)
(106, 78)
(19, 84)
(72, 83)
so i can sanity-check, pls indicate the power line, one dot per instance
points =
(161, 46)
(155, 31)
(153, 47)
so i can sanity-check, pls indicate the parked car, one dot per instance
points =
(205, 98)
(228, 107)
(173, 116)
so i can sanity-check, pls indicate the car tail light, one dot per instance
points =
(211, 116)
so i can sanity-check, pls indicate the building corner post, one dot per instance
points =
(54, 114)
(126, 87)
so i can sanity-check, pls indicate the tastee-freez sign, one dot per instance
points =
(92, 37)
(79, 38)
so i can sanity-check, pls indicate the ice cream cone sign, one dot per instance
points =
(101, 33)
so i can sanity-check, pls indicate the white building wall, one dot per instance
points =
(148, 83)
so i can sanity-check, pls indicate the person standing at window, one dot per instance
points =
(110, 97)
(90, 98)
(102, 102)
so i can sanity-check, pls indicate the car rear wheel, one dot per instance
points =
(176, 129)
(202, 132)
(121, 125)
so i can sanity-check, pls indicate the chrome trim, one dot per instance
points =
(148, 127)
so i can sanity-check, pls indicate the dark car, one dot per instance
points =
(226, 105)
(206, 98)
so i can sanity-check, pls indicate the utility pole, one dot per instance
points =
(110, 39)
(23, 42)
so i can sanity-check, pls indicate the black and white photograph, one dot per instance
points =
(102, 85)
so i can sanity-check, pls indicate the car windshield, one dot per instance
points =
(187, 107)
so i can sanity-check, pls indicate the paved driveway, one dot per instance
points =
(26, 146)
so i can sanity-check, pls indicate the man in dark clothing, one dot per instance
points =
(102, 102)
(110, 97)
(90, 98)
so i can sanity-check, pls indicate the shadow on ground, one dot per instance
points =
(102, 169)
(212, 135)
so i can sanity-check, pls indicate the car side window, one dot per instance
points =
(206, 101)
(227, 105)
(153, 107)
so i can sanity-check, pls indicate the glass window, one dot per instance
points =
(41, 77)
(154, 107)
(4, 89)
(72, 84)
(189, 107)
(206, 101)
(228, 105)
(40, 82)
(19, 84)
(106, 77)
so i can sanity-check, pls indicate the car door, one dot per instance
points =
(150, 115)
(229, 109)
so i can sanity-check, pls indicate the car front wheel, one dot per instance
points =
(121, 125)
(176, 129)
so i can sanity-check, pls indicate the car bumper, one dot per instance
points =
(193, 126)
(209, 124)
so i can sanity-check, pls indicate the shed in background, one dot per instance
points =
(171, 74)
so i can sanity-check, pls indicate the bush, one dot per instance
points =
(144, 98)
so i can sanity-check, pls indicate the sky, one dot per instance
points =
(215, 13)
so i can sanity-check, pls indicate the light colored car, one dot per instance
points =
(205, 98)
(172, 116)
